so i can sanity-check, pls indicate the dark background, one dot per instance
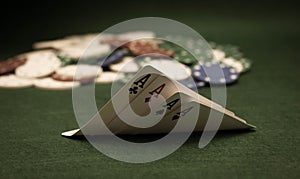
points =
(24, 22)
(267, 96)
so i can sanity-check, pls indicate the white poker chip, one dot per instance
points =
(78, 72)
(27, 54)
(39, 64)
(78, 46)
(237, 65)
(134, 35)
(85, 51)
(74, 40)
(219, 55)
(51, 84)
(171, 68)
(13, 81)
(109, 77)
(96, 50)
(56, 44)
(127, 65)
(83, 37)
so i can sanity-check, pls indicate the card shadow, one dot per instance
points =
(143, 138)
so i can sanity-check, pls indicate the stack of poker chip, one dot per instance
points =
(54, 64)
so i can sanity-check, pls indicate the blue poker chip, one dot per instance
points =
(114, 57)
(215, 73)
(192, 84)
(200, 84)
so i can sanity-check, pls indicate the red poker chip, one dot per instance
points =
(11, 64)
(143, 47)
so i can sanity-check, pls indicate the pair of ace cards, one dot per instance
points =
(152, 103)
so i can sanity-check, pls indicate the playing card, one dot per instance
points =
(194, 116)
(109, 111)
(128, 93)
(182, 119)
(158, 99)
(163, 111)
(202, 99)
(150, 99)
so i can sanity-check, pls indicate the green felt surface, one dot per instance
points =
(267, 96)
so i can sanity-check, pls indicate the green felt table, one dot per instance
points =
(267, 97)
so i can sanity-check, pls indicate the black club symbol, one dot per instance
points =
(133, 90)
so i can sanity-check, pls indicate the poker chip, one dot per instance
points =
(51, 84)
(114, 57)
(237, 65)
(66, 60)
(122, 39)
(109, 77)
(77, 47)
(81, 72)
(95, 50)
(195, 47)
(127, 77)
(85, 51)
(84, 37)
(185, 57)
(56, 44)
(141, 47)
(134, 35)
(55, 67)
(127, 65)
(233, 57)
(241, 65)
(11, 64)
(192, 84)
(200, 84)
(69, 41)
(246, 64)
(171, 68)
(215, 73)
(13, 81)
(219, 55)
(115, 42)
(230, 51)
(38, 64)
(61, 78)
(181, 55)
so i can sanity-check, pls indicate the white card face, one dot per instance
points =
(150, 108)
(139, 110)
(189, 112)
(218, 121)
(171, 104)
(187, 115)
(108, 112)
(121, 99)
